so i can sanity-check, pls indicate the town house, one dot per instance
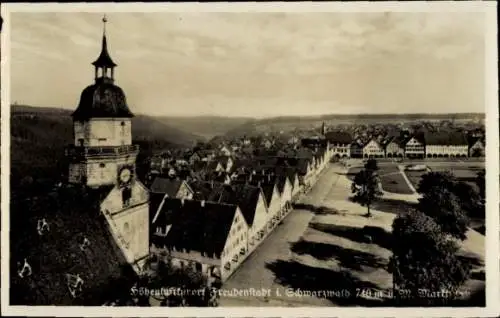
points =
(415, 147)
(373, 149)
(339, 143)
(210, 238)
(446, 144)
(395, 147)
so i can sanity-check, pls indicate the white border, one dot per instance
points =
(492, 158)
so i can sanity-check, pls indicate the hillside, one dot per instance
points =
(290, 123)
(39, 135)
(205, 126)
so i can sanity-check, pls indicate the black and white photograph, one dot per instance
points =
(243, 158)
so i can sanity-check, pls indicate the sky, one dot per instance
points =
(257, 64)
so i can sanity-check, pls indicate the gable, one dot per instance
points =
(237, 221)
(184, 190)
(413, 141)
(276, 196)
(478, 144)
(372, 144)
(114, 200)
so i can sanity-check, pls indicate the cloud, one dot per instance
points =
(376, 59)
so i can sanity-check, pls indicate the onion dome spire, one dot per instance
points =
(103, 99)
(104, 62)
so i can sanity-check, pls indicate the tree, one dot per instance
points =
(366, 188)
(448, 202)
(425, 266)
(436, 180)
(444, 207)
(470, 199)
(183, 279)
(481, 183)
(371, 165)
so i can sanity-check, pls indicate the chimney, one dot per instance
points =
(202, 203)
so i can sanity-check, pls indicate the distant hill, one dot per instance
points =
(205, 126)
(40, 134)
(289, 123)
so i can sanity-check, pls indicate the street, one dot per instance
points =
(255, 272)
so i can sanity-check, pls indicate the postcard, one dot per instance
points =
(250, 159)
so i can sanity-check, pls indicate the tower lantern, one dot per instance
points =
(104, 65)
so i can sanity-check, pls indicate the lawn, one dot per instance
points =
(335, 247)
(414, 177)
(353, 251)
(467, 174)
(395, 183)
(382, 170)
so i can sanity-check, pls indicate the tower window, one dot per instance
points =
(102, 165)
(122, 123)
(126, 195)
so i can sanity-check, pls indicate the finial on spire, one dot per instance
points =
(104, 20)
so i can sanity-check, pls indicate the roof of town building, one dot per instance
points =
(471, 140)
(169, 186)
(72, 214)
(164, 215)
(245, 196)
(281, 182)
(445, 138)
(201, 226)
(338, 137)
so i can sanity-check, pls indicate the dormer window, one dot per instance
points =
(25, 270)
(84, 243)
(75, 284)
(42, 226)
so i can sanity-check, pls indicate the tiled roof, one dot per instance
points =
(92, 106)
(164, 216)
(419, 137)
(206, 190)
(399, 140)
(72, 215)
(245, 196)
(445, 138)
(212, 165)
(472, 140)
(302, 166)
(200, 165)
(166, 185)
(338, 137)
(290, 172)
(201, 226)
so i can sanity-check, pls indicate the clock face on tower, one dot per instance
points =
(125, 175)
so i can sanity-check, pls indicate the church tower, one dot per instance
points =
(103, 149)
(103, 157)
